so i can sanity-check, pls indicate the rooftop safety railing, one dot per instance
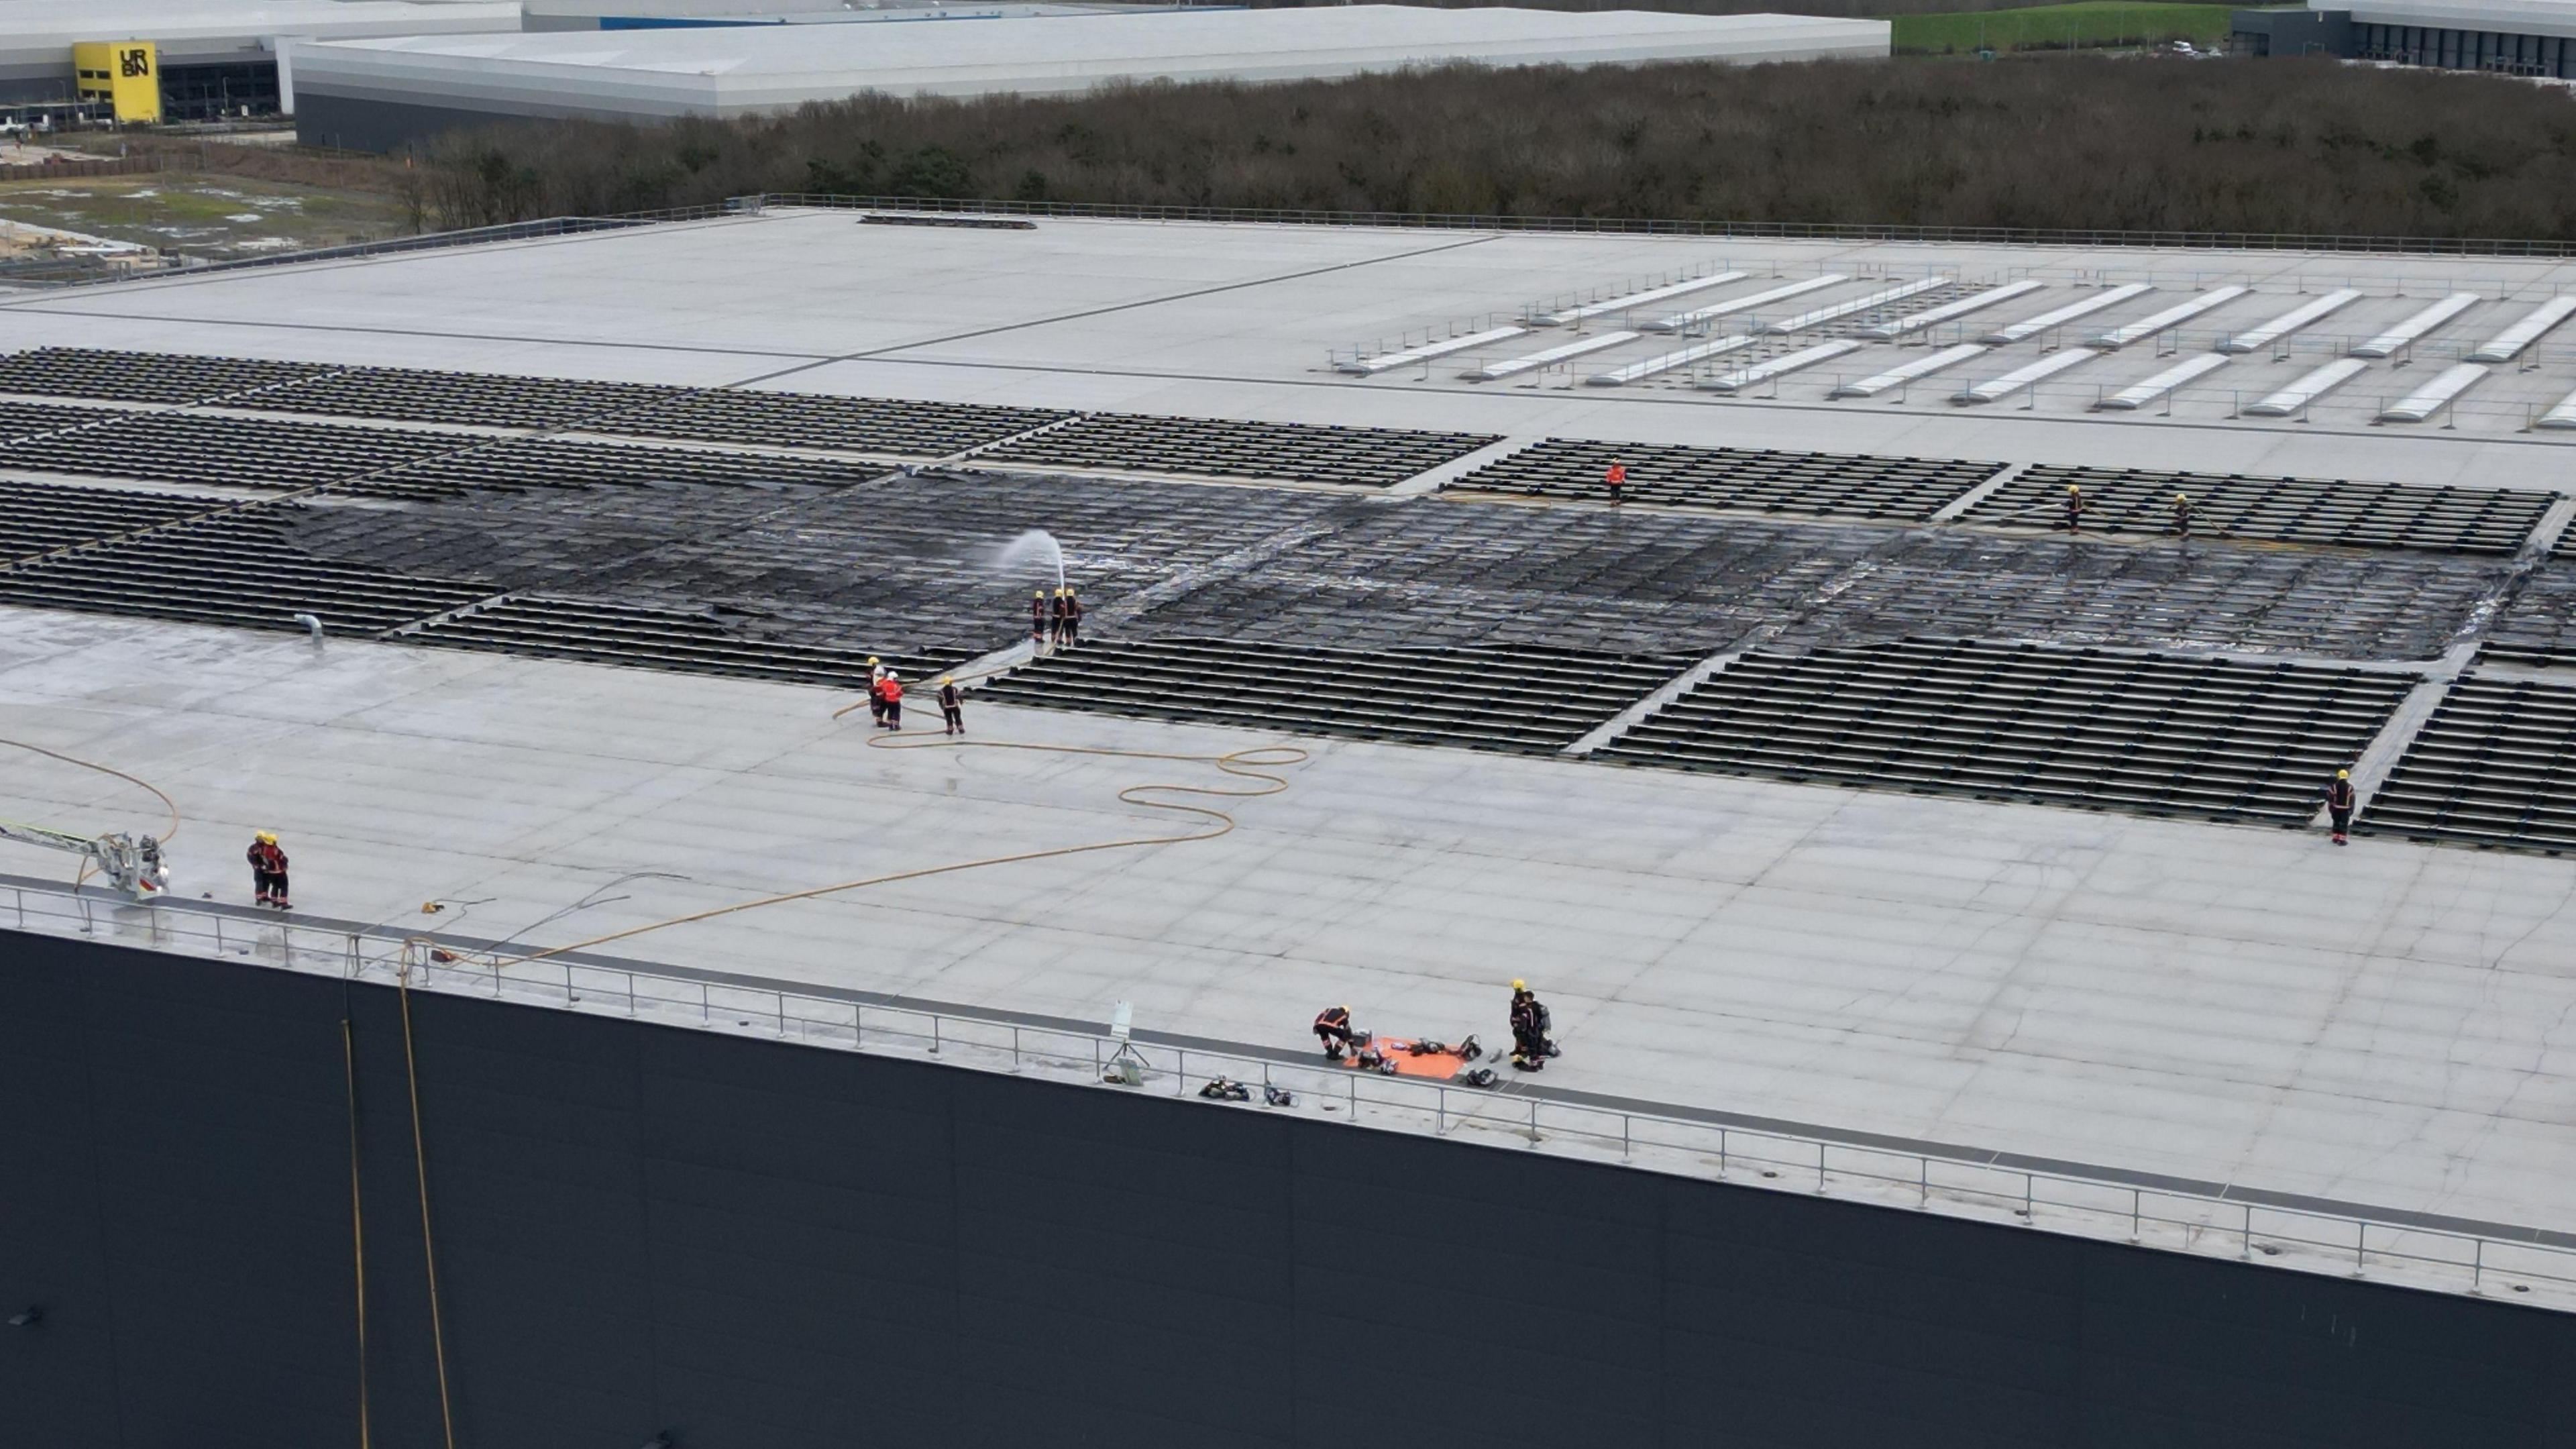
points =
(2525, 1265)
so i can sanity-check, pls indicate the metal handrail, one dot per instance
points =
(2532, 1267)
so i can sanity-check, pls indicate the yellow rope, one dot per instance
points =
(1254, 764)
(428, 1247)
(166, 802)
(357, 1227)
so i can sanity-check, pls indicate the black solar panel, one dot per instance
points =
(2495, 765)
(1287, 452)
(2155, 734)
(150, 377)
(27, 420)
(2288, 510)
(37, 518)
(912, 430)
(422, 395)
(685, 640)
(1518, 700)
(511, 464)
(237, 569)
(1847, 485)
(227, 452)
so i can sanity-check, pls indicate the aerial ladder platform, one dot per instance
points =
(131, 864)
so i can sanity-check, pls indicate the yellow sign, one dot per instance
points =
(125, 72)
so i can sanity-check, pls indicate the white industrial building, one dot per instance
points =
(2531, 38)
(211, 45)
(379, 93)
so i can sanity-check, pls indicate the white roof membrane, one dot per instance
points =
(2264, 334)
(2180, 312)
(2413, 328)
(2507, 345)
(1960, 308)
(2147, 389)
(2445, 387)
(2058, 317)
(2308, 388)
(1744, 377)
(1680, 321)
(1925, 366)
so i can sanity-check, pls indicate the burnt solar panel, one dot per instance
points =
(518, 464)
(1207, 447)
(423, 395)
(2495, 765)
(147, 377)
(2539, 626)
(237, 569)
(2338, 512)
(37, 518)
(895, 429)
(227, 452)
(1523, 701)
(1756, 479)
(2153, 734)
(647, 636)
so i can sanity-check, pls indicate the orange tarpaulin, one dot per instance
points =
(1408, 1062)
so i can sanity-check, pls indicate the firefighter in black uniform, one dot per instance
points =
(1530, 1050)
(1056, 609)
(268, 870)
(2182, 516)
(2074, 508)
(1333, 1026)
(1071, 633)
(1038, 622)
(952, 705)
(2339, 803)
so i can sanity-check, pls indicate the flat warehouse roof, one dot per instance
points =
(751, 68)
(53, 27)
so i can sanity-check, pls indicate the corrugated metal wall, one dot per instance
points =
(748, 1244)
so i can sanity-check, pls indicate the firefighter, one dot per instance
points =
(2339, 803)
(2074, 508)
(1072, 633)
(1333, 1027)
(1529, 1029)
(1617, 479)
(1038, 622)
(268, 870)
(2182, 516)
(1057, 608)
(952, 705)
(890, 694)
(876, 676)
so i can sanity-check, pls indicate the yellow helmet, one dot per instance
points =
(948, 679)
(872, 659)
(2071, 488)
(268, 837)
(2343, 774)
(1519, 985)
(2182, 498)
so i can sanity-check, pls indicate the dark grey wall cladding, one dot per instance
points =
(758, 1246)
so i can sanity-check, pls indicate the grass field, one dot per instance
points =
(2061, 27)
(218, 217)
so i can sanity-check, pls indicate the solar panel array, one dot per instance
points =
(235, 569)
(2155, 734)
(814, 420)
(26, 420)
(227, 452)
(146, 377)
(1207, 447)
(1825, 484)
(1519, 700)
(513, 464)
(2495, 765)
(685, 640)
(2288, 510)
(422, 395)
(37, 518)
